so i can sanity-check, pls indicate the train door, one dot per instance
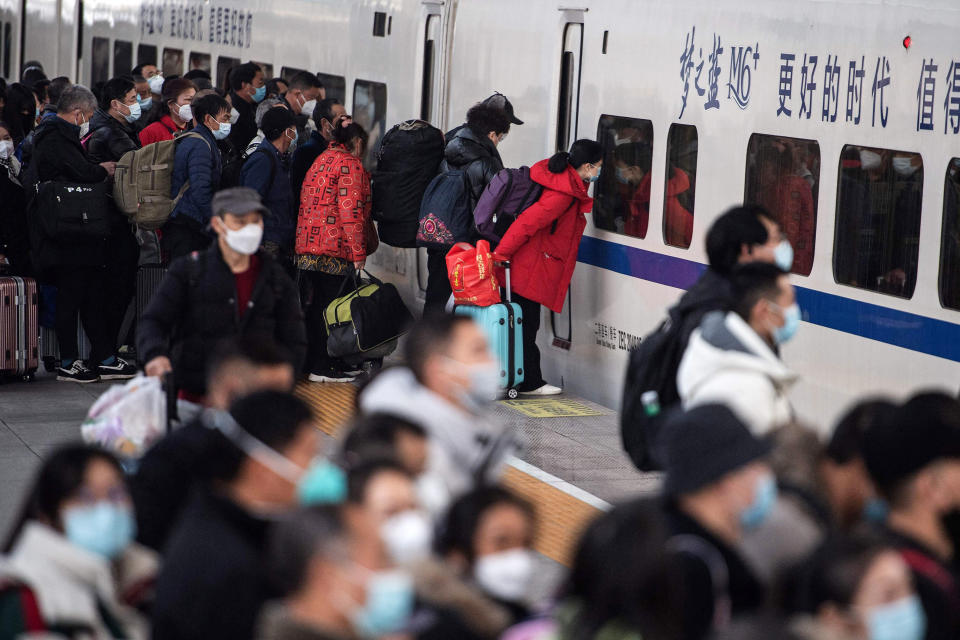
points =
(432, 93)
(568, 108)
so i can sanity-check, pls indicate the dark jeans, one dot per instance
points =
(532, 376)
(123, 253)
(82, 290)
(182, 239)
(324, 289)
(438, 285)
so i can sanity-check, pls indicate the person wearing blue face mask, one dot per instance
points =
(198, 161)
(543, 246)
(733, 358)
(247, 90)
(70, 551)
(340, 583)
(717, 487)
(857, 588)
(214, 580)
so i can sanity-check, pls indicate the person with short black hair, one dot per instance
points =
(733, 357)
(327, 115)
(267, 171)
(447, 387)
(473, 150)
(276, 88)
(381, 435)
(172, 467)
(303, 92)
(70, 555)
(198, 161)
(214, 578)
(197, 74)
(542, 246)
(247, 90)
(913, 456)
(717, 486)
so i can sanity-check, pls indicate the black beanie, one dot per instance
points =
(704, 444)
(923, 430)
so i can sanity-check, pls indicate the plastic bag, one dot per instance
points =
(470, 270)
(128, 419)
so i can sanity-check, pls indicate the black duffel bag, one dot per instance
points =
(73, 211)
(365, 322)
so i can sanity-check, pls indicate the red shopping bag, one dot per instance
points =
(470, 270)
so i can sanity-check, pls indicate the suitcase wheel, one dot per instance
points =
(512, 394)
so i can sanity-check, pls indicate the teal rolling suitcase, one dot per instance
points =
(503, 325)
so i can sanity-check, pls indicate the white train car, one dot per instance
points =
(842, 116)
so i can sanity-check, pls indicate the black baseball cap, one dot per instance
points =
(499, 101)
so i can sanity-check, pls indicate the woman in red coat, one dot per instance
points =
(542, 245)
(333, 236)
(177, 114)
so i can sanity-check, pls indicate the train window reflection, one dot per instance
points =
(334, 86)
(370, 112)
(146, 54)
(950, 239)
(267, 69)
(224, 65)
(287, 73)
(783, 176)
(122, 57)
(878, 220)
(6, 50)
(100, 60)
(680, 185)
(172, 62)
(622, 195)
(199, 61)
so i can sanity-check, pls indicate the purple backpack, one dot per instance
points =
(506, 196)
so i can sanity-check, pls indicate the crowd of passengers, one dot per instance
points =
(245, 521)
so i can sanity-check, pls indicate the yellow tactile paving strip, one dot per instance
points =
(560, 517)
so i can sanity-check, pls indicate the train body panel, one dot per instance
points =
(735, 75)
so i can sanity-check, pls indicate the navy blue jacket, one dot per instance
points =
(281, 225)
(303, 159)
(199, 163)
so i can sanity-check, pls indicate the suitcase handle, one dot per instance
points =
(506, 269)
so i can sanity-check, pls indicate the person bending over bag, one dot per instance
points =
(543, 242)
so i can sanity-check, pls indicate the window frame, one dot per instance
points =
(224, 65)
(373, 144)
(608, 178)
(944, 229)
(201, 55)
(163, 62)
(667, 175)
(119, 69)
(147, 54)
(103, 64)
(334, 86)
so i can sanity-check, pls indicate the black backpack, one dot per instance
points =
(408, 159)
(650, 393)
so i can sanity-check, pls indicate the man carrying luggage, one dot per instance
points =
(231, 289)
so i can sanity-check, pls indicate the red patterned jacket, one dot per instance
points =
(335, 206)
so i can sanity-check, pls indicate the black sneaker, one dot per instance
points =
(119, 370)
(77, 372)
(331, 375)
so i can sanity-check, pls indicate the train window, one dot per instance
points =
(224, 65)
(100, 65)
(950, 239)
(172, 62)
(370, 112)
(680, 185)
(622, 196)
(334, 86)
(877, 237)
(6, 50)
(266, 68)
(287, 73)
(146, 54)
(431, 36)
(122, 57)
(199, 61)
(783, 176)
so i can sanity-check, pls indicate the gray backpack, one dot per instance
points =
(141, 183)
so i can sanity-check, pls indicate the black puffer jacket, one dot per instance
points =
(711, 292)
(110, 138)
(195, 308)
(58, 155)
(477, 156)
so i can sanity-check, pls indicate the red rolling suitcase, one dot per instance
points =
(19, 327)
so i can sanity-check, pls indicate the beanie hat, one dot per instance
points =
(922, 431)
(704, 444)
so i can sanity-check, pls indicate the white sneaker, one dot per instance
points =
(544, 390)
(330, 375)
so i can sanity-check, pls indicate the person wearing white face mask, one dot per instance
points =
(733, 358)
(301, 97)
(447, 387)
(71, 553)
(214, 579)
(14, 240)
(231, 289)
(175, 112)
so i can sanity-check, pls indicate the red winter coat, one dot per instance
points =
(544, 256)
(335, 207)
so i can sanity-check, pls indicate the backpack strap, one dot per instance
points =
(697, 547)
(186, 183)
(273, 163)
(932, 571)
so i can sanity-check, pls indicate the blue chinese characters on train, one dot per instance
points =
(207, 22)
(709, 67)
